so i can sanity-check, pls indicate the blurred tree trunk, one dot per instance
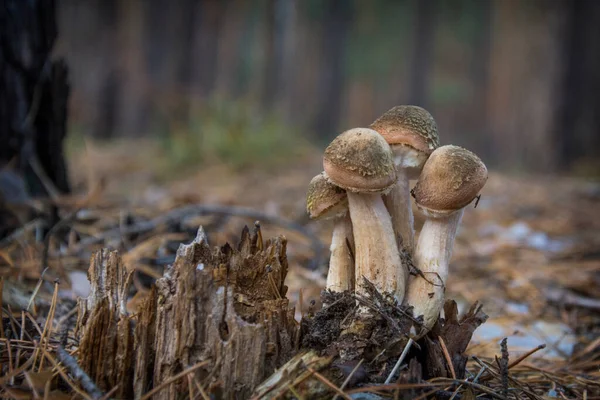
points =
(524, 88)
(336, 24)
(33, 95)
(480, 75)
(228, 50)
(104, 123)
(280, 25)
(579, 122)
(168, 36)
(424, 40)
(133, 100)
(208, 23)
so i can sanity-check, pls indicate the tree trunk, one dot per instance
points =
(422, 53)
(578, 123)
(280, 25)
(33, 96)
(336, 24)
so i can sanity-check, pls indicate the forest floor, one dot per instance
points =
(529, 251)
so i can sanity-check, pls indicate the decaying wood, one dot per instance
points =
(456, 334)
(104, 328)
(223, 306)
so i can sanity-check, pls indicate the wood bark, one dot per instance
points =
(220, 310)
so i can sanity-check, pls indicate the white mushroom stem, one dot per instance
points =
(432, 257)
(377, 257)
(341, 265)
(399, 206)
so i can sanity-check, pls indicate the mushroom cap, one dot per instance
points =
(451, 178)
(324, 199)
(360, 160)
(411, 131)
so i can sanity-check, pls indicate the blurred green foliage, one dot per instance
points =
(232, 133)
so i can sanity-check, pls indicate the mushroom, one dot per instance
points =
(361, 162)
(451, 178)
(411, 132)
(324, 200)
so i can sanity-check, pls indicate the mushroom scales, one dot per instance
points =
(412, 134)
(327, 201)
(361, 162)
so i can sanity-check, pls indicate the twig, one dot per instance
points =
(484, 389)
(447, 357)
(44, 339)
(16, 372)
(52, 190)
(524, 356)
(347, 380)
(402, 357)
(173, 379)
(298, 395)
(63, 375)
(504, 366)
(78, 373)
(203, 209)
(36, 223)
(395, 386)
(329, 383)
(110, 392)
(46, 251)
(37, 288)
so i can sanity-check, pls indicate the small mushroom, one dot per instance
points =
(361, 162)
(324, 200)
(411, 132)
(451, 179)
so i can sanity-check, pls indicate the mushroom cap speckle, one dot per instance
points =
(451, 178)
(324, 199)
(360, 160)
(408, 126)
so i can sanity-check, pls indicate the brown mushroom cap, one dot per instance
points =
(324, 199)
(360, 160)
(451, 178)
(410, 126)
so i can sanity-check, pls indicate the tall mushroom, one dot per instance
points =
(412, 134)
(451, 178)
(361, 162)
(324, 200)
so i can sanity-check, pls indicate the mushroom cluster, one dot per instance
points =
(365, 190)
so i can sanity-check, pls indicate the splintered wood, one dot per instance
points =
(448, 341)
(221, 312)
(105, 330)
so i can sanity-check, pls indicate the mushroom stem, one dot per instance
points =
(432, 257)
(399, 206)
(341, 265)
(377, 257)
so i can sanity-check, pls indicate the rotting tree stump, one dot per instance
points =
(220, 312)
